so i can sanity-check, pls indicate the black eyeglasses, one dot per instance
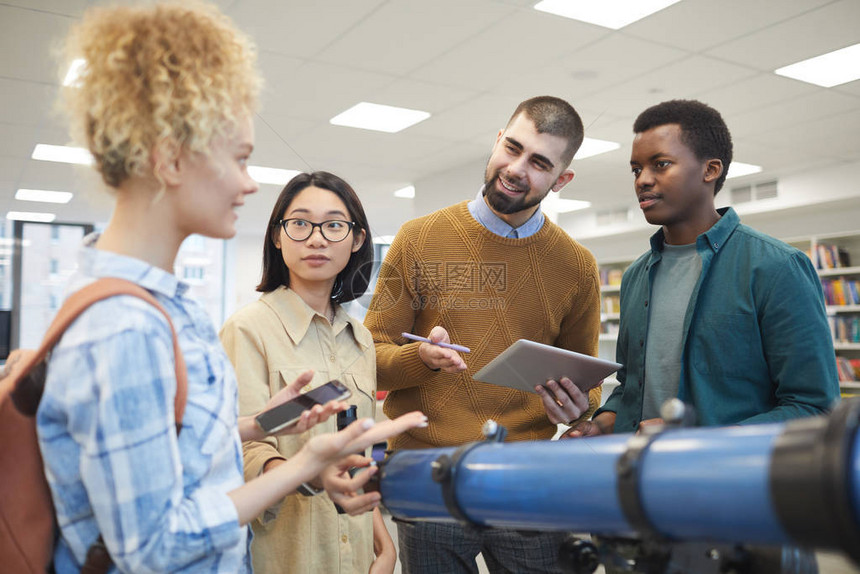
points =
(333, 230)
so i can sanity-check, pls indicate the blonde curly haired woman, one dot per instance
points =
(164, 104)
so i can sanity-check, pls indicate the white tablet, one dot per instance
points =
(526, 364)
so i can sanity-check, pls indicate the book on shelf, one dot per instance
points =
(845, 329)
(611, 304)
(609, 328)
(841, 291)
(831, 256)
(848, 369)
(611, 276)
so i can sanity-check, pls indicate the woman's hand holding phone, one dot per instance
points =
(309, 418)
(249, 430)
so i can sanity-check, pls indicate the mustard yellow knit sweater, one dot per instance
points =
(487, 291)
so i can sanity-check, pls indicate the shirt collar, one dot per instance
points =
(715, 237)
(296, 316)
(94, 262)
(485, 216)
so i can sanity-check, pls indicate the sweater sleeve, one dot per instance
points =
(581, 327)
(392, 311)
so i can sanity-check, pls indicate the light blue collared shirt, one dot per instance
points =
(485, 216)
(114, 462)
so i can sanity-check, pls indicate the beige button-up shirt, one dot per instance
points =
(270, 342)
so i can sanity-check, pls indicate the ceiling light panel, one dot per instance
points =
(827, 70)
(31, 216)
(62, 154)
(554, 203)
(43, 195)
(740, 169)
(591, 147)
(378, 117)
(273, 175)
(612, 14)
(407, 192)
(74, 72)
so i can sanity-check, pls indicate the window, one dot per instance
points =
(358, 307)
(200, 263)
(192, 272)
(7, 245)
(36, 289)
(45, 268)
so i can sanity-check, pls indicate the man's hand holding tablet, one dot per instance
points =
(562, 378)
(563, 401)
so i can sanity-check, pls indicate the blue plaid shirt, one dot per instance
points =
(106, 429)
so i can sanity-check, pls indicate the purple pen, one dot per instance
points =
(460, 348)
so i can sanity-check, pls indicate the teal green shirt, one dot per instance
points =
(756, 345)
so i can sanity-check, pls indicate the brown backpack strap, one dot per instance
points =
(101, 289)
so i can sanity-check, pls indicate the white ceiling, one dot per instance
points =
(468, 63)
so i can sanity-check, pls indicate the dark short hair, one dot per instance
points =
(352, 281)
(702, 130)
(556, 117)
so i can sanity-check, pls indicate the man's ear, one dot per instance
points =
(358, 240)
(563, 179)
(166, 166)
(499, 137)
(713, 170)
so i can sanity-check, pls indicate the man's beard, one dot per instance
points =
(505, 204)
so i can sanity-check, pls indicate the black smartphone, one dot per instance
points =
(285, 414)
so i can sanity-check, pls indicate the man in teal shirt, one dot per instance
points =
(717, 314)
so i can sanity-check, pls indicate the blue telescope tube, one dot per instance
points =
(713, 484)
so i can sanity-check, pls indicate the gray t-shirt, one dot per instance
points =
(674, 281)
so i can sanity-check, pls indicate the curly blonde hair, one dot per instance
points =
(155, 73)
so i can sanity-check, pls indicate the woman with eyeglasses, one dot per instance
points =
(317, 254)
